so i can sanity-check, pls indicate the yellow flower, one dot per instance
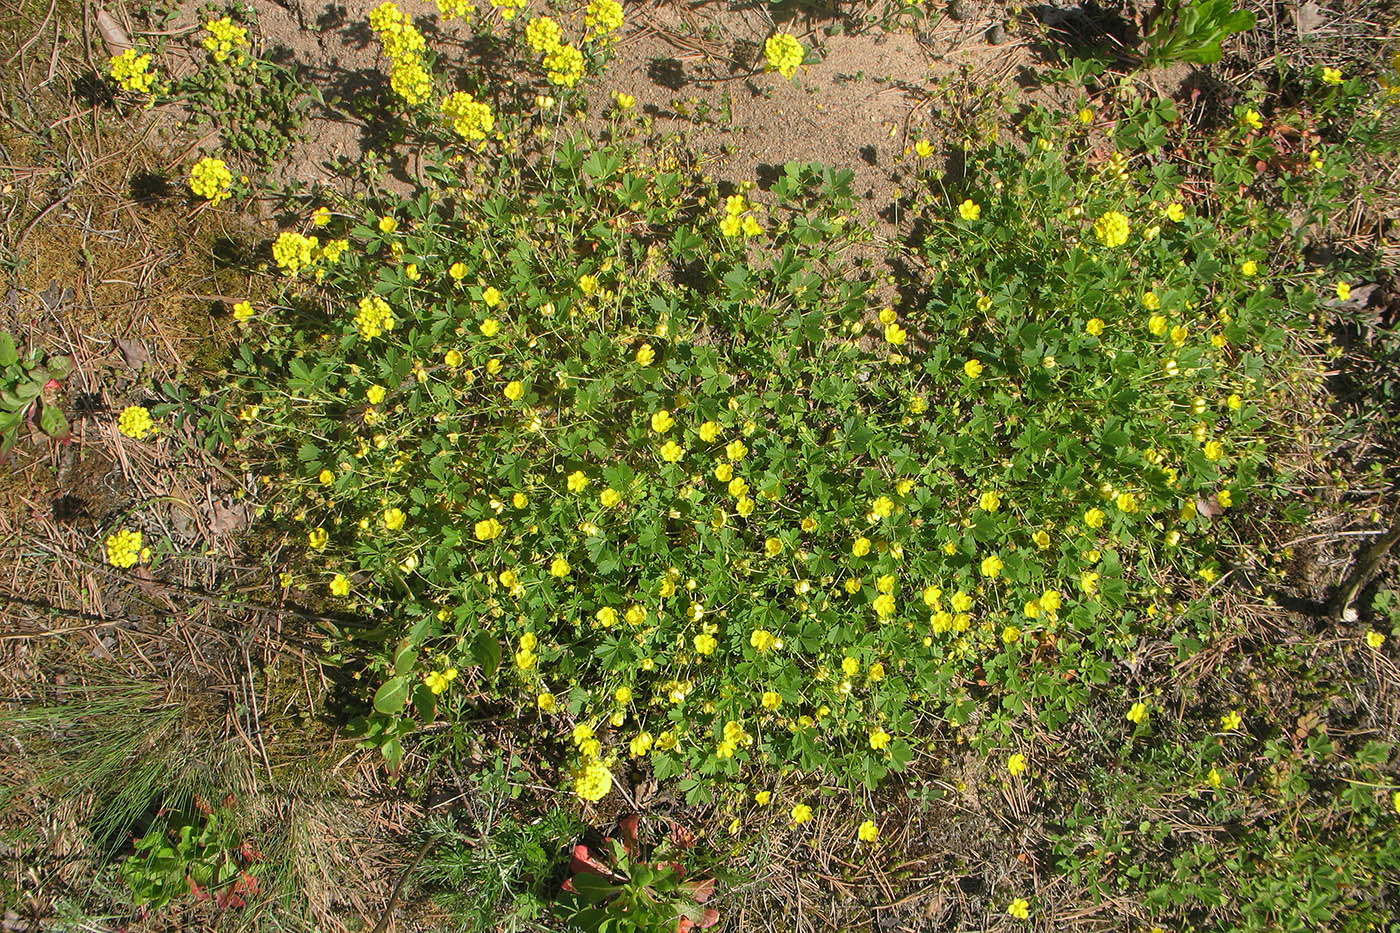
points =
(671, 452)
(211, 179)
(868, 831)
(373, 318)
(1343, 291)
(132, 72)
(860, 547)
(989, 501)
(1111, 229)
(471, 119)
(879, 739)
(514, 390)
(592, 780)
(1020, 909)
(895, 334)
(1086, 116)
(735, 451)
(661, 421)
(1016, 764)
(1249, 268)
(124, 548)
(1214, 777)
(1375, 639)
(1126, 502)
(1224, 498)
(394, 519)
(1176, 212)
(783, 54)
(546, 702)
(1251, 119)
(602, 17)
(317, 538)
(577, 482)
(487, 529)
(763, 798)
(991, 566)
(242, 311)
(772, 547)
(1138, 713)
(340, 585)
(1094, 518)
(1231, 721)
(1094, 327)
(972, 368)
(771, 700)
(563, 65)
(709, 431)
(762, 640)
(1332, 76)
(135, 422)
(969, 210)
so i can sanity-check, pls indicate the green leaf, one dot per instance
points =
(52, 422)
(486, 651)
(8, 354)
(390, 697)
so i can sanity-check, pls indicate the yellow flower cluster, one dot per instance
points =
(542, 34)
(225, 38)
(592, 779)
(783, 53)
(1111, 229)
(508, 8)
(602, 17)
(135, 422)
(132, 72)
(439, 681)
(211, 179)
(404, 46)
(455, 9)
(293, 252)
(373, 317)
(470, 118)
(563, 65)
(124, 548)
(738, 217)
(734, 737)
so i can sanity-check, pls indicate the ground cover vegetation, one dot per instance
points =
(595, 479)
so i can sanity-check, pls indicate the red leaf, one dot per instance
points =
(628, 825)
(700, 891)
(583, 863)
(709, 918)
